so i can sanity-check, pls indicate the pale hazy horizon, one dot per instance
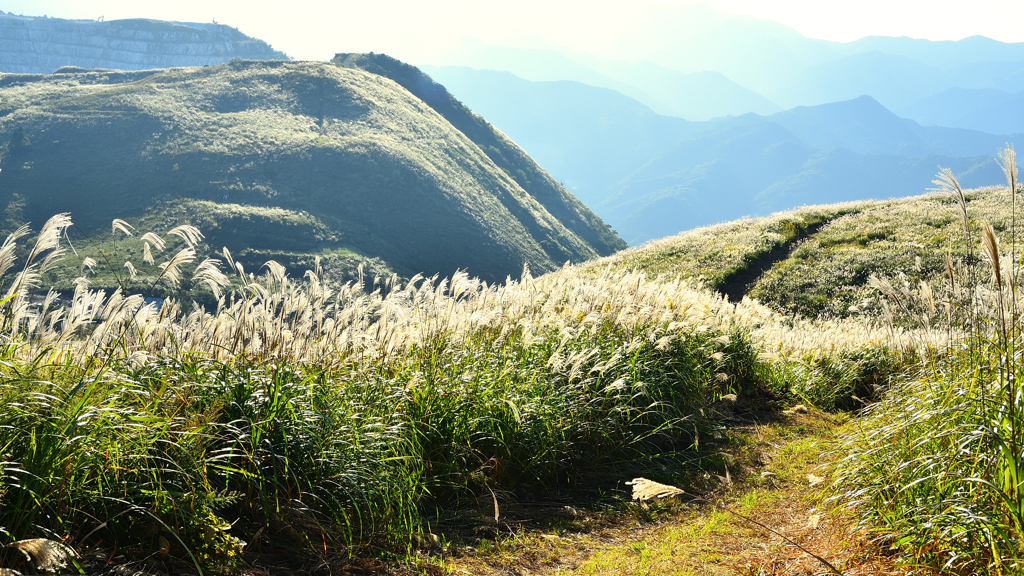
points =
(414, 31)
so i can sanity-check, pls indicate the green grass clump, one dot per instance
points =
(938, 466)
(298, 415)
(182, 445)
(349, 454)
(841, 380)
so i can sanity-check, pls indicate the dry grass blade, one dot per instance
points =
(47, 555)
(948, 259)
(990, 245)
(497, 510)
(644, 489)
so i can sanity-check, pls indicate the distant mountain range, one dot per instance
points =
(688, 116)
(287, 161)
(982, 109)
(649, 175)
(689, 60)
(32, 45)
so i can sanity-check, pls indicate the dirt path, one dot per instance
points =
(776, 479)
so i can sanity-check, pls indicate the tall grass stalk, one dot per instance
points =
(940, 462)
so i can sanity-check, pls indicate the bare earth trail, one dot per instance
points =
(777, 477)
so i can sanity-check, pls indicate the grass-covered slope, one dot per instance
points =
(817, 260)
(378, 171)
(502, 151)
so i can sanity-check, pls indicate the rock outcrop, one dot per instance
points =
(40, 45)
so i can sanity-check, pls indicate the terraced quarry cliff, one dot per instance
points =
(31, 45)
(283, 160)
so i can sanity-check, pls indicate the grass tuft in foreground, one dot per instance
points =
(939, 464)
(299, 416)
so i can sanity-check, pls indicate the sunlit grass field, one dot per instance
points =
(308, 415)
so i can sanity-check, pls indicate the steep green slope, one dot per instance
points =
(379, 171)
(502, 151)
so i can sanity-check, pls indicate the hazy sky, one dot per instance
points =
(307, 29)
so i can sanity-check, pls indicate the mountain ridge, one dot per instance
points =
(382, 171)
(650, 175)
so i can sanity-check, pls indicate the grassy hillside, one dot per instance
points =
(502, 151)
(300, 419)
(358, 161)
(816, 261)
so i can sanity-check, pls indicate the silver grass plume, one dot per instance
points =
(230, 260)
(170, 270)
(209, 272)
(147, 254)
(48, 239)
(948, 183)
(990, 245)
(276, 272)
(190, 234)
(157, 242)
(7, 256)
(51, 258)
(1008, 162)
(49, 236)
(122, 226)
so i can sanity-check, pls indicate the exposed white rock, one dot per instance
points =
(33, 45)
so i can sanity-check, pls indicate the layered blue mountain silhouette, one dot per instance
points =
(650, 175)
(689, 116)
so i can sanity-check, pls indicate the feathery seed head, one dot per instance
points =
(190, 234)
(123, 226)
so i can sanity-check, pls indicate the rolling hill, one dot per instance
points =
(815, 261)
(348, 161)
